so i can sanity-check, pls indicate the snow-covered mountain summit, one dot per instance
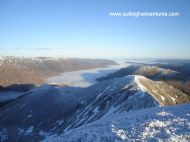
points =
(57, 110)
(161, 91)
(164, 124)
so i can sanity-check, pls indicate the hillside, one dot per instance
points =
(153, 72)
(174, 78)
(30, 117)
(164, 124)
(21, 70)
(162, 92)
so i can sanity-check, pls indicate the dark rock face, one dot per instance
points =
(13, 92)
(20, 87)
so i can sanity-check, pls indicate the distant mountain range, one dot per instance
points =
(49, 110)
(21, 70)
(176, 77)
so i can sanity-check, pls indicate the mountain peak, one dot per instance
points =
(161, 91)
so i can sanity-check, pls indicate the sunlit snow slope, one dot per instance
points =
(153, 124)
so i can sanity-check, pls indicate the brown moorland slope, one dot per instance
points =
(20, 70)
(162, 92)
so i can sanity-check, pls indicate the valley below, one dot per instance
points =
(85, 78)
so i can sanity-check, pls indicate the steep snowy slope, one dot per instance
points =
(164, 124)
(127, 94)
(54, 109)
(113, 96)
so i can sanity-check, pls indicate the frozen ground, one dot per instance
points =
(85, 78)
(170, 124)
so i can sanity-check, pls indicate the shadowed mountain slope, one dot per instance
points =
(56, 110)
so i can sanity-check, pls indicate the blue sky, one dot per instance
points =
(73, 28)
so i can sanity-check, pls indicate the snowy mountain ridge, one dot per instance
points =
(69, 108)
(164, 124)
(162, 92)
(152, 124)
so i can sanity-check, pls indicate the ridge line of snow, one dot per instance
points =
(139, 84)
(143, 88)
